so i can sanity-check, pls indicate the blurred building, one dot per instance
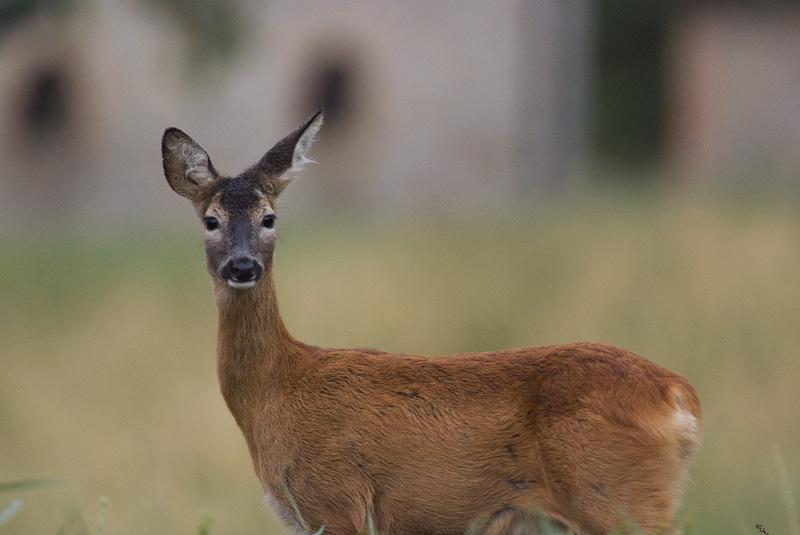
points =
(735, 86)
(427, 102)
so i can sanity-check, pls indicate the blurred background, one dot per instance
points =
(491, 174)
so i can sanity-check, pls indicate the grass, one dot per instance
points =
(109, 384)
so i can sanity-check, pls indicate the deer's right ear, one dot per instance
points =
(186, 165)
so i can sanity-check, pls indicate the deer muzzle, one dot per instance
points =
(242, 272)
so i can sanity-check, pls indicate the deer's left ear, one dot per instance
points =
(276, 167)
(186, 165)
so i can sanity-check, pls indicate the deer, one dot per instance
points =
(585, 438)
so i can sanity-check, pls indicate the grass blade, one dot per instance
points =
(783, 477)
(27, 484)
(10, 511)
(102, 517)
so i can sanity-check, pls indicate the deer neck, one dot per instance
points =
(254, 349)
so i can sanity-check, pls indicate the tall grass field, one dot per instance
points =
(107, 339)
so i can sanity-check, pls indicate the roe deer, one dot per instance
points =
(585, 437)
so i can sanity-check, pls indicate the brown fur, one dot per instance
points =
(588, 435)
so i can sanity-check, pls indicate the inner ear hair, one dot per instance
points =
(187, 166)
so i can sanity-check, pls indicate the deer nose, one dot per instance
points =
(241, 272)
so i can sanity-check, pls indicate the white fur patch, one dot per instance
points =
(685, 420)
(241, 285)
(284, 513)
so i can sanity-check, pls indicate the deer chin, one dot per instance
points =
(240, 285)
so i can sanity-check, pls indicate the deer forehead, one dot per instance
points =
(239, 196)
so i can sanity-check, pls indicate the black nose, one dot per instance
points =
(241, 271)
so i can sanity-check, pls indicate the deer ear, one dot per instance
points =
(288, 155)
(186, 165)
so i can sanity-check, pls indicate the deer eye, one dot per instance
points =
(210, 223)
(268, 221)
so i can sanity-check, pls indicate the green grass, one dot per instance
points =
(109, 384)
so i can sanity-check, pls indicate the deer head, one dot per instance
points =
(238, 212)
